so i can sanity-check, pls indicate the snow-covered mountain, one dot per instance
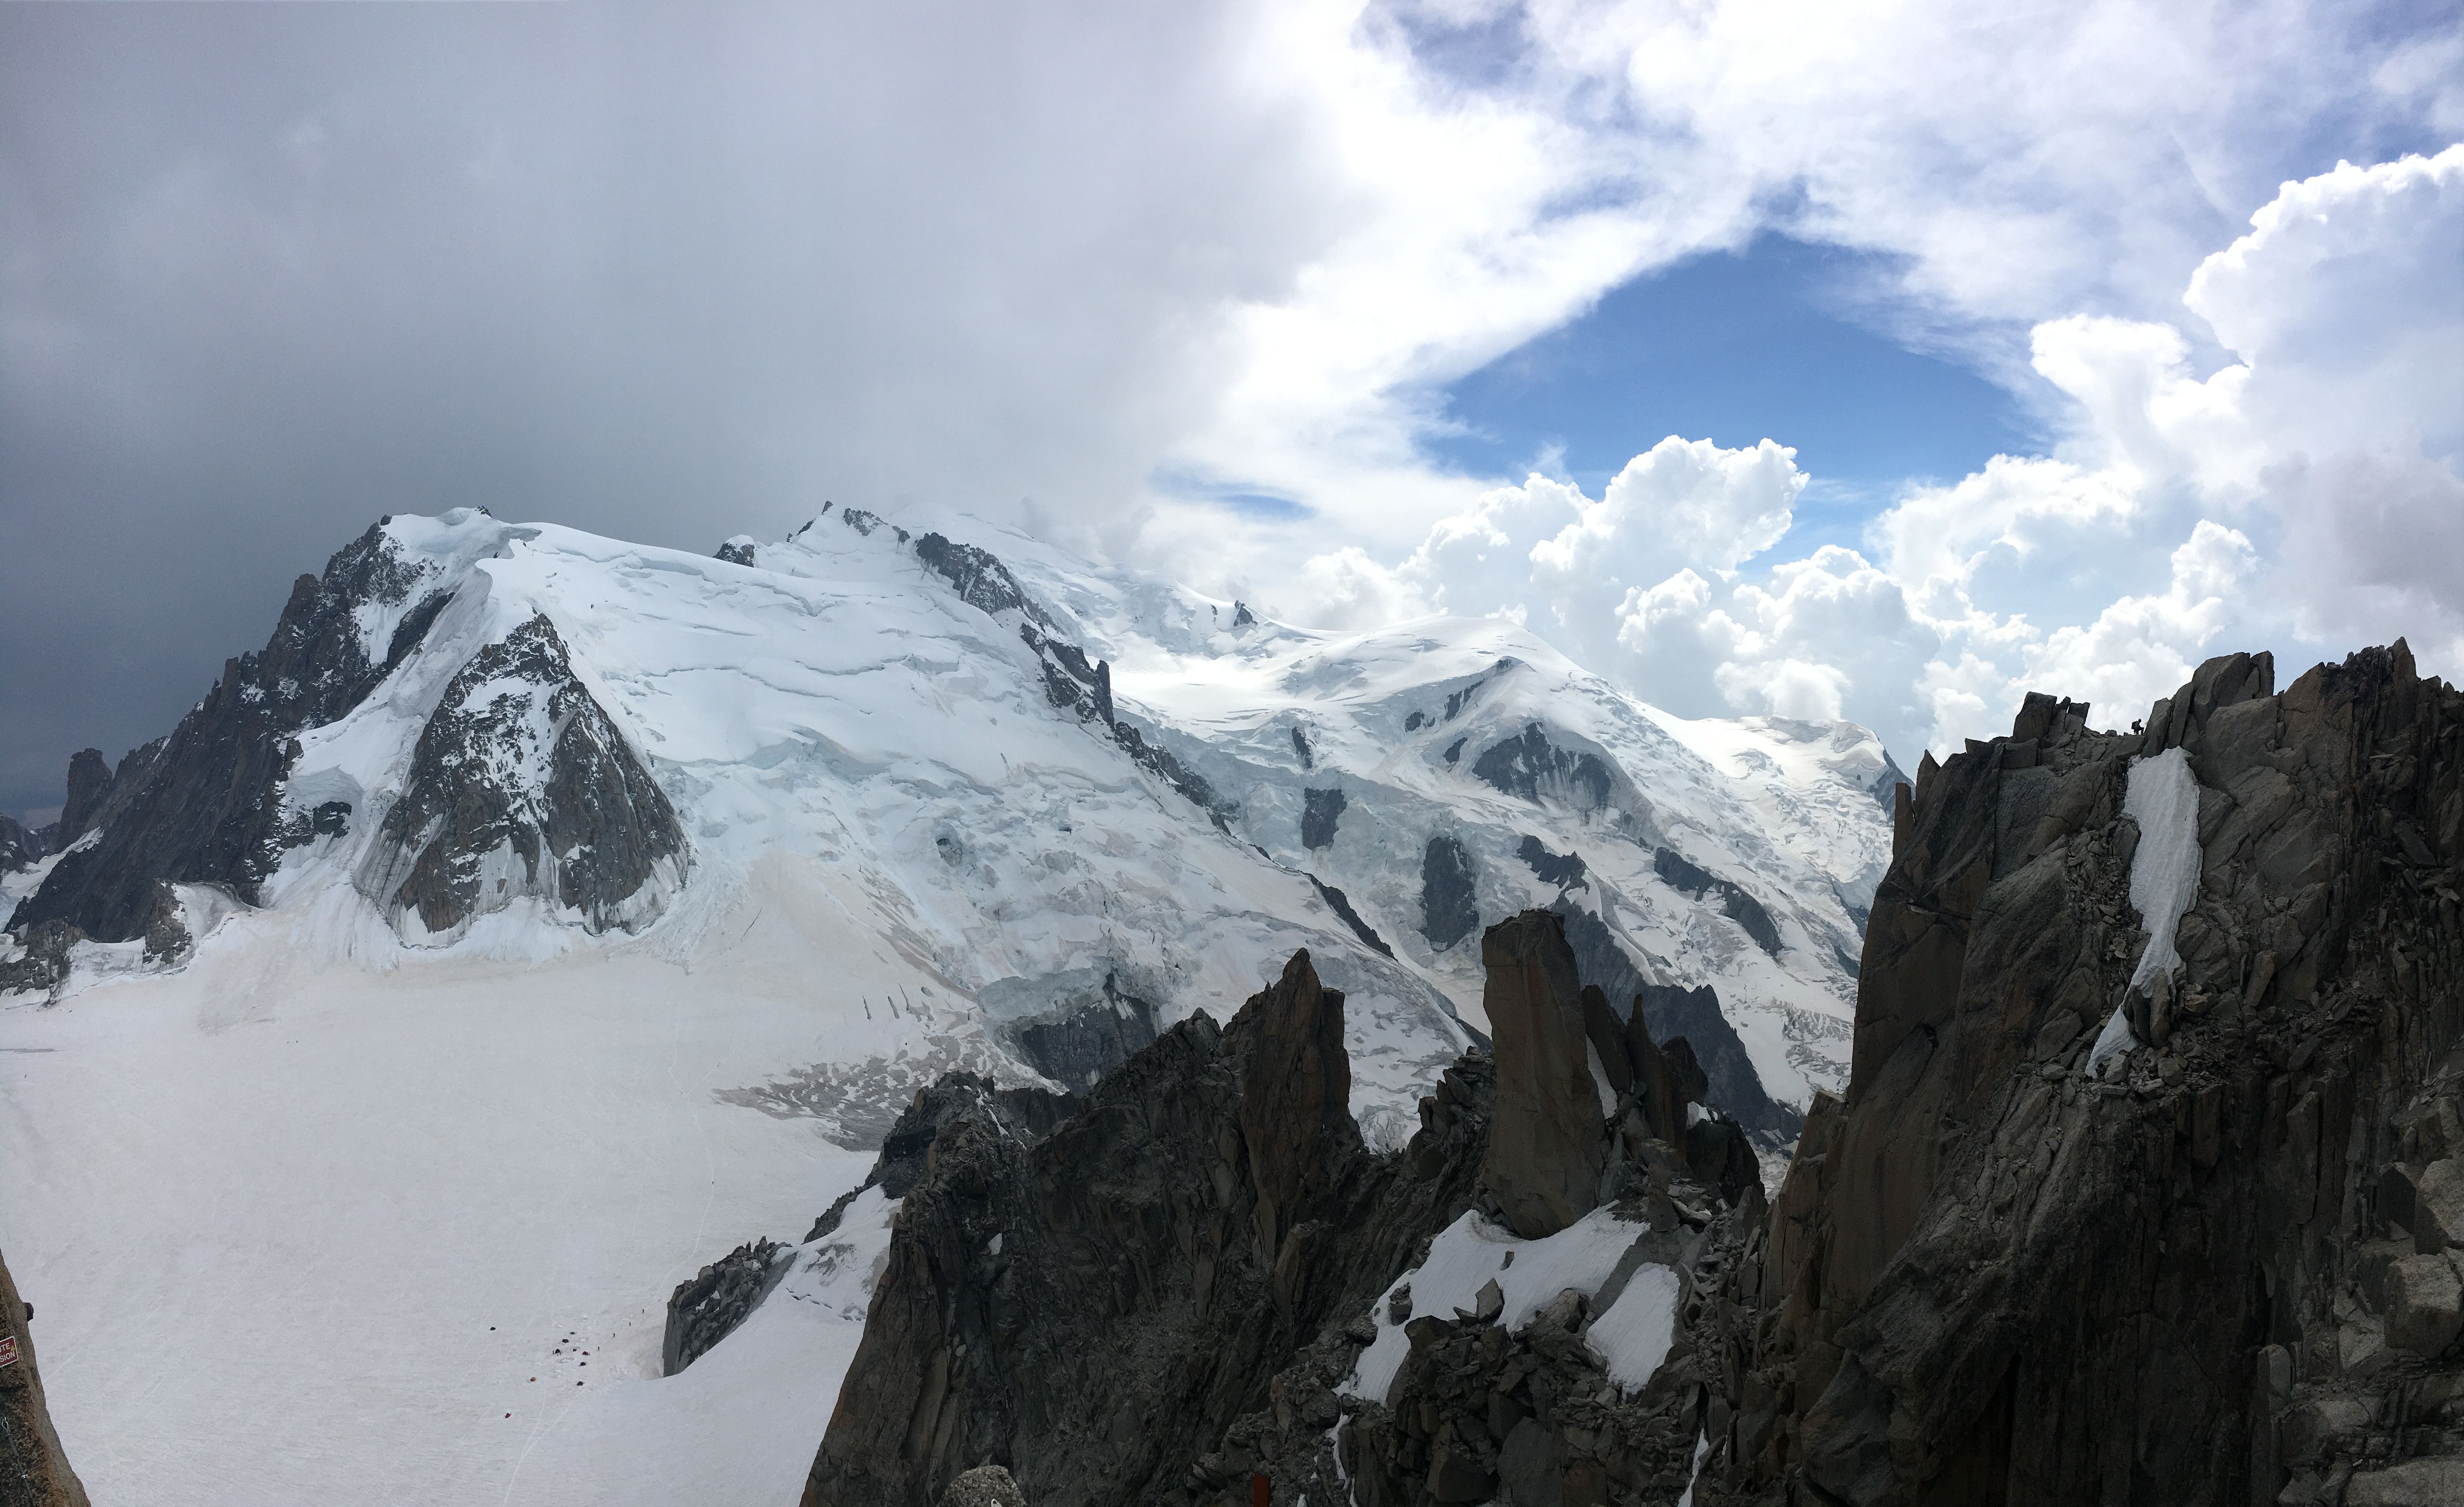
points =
(991, 786)
(544, 915)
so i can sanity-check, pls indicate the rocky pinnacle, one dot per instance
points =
(1544, 1156)
(1295, 1115)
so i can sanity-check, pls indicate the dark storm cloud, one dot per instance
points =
(269, 273)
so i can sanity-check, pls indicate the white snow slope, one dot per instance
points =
(304, 1216)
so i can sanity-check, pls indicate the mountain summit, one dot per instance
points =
(1062, 800)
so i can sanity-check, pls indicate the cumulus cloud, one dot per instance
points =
(1501, 165)
(2303, 496)
(1545, 548)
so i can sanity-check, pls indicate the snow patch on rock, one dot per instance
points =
(2164, 799)
(1472, 1251)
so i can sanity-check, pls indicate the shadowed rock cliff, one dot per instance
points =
(1544, 1158)
(2221, 1266)
(1094, 1310)
(33, 1473)
(1162, 1299)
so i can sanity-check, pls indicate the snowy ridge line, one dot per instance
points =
(801, 702)
(1789, 814)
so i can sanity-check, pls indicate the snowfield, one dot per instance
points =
(305, 1213)
(301, 1233)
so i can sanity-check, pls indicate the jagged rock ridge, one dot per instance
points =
(1669, 1010)
(202, 805)
(2222, 1269)
(1161, 1297)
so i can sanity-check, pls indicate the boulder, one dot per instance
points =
(2438, 1205)
(1545, 1147)
(2425, 1304)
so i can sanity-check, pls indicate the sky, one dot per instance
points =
(1877, 361)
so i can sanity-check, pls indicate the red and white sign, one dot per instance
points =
(8, 1349)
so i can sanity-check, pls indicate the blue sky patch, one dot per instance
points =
(1736, 347)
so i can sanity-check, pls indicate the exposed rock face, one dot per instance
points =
(738, 550)
(1671, 1012)
(1448, 909)
(1565, 872)
(1478, 1413)
(1341, 904)
(1689, 879)
(1159, 1266)
(1021, 1114)
(33, 1471)
(44, 964)
(984, 1486)
(201, 805)
(1158, 1299)
(1545, 1157)
(19, 848)
(1531, 768)
(977, 576)
(1082, 1035)
(1071, 678)
(1295, 1098)
(89, 784)
(705, 1310)
(2217, 1272)
(520, 784)
(1320, 810)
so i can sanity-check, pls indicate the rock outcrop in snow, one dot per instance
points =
(520, 785)
(2224, 1267)
(19, 847)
